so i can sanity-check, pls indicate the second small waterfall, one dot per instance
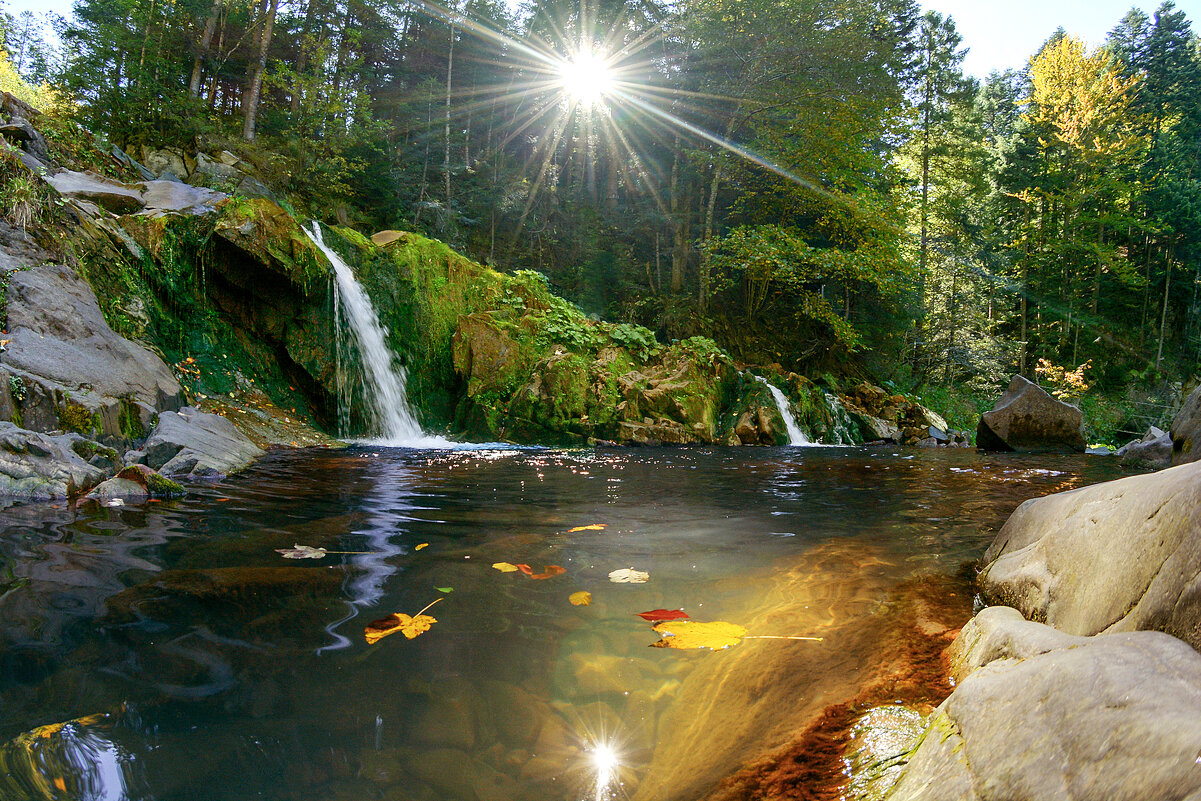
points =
(795, 435)
(384, 379)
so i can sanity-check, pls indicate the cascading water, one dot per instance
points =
(840, 430)
(384, 379)
(795, 435)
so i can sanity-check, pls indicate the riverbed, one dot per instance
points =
(169, 651)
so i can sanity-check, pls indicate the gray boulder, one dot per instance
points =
(161, 161)
(1027, 419)
(110, 195)
(72, 369)
(1000, 632)
(21, 132)
(35, 466)
(135, 484)
(1118, 556)
(1154, 450)
(1186, 430)
(1115, 718)
(197, 444)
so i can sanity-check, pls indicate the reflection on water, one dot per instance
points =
(193, 661)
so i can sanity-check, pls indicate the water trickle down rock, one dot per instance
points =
(393, 418)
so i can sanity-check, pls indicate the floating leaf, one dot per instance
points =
(422, 545)
(505, 567)
(548, 571)
(628, 575)
(688, 634)
(302, 552)
(410, 627)
(445, 589)
(581, 598)
(656, 615)
(593, 527)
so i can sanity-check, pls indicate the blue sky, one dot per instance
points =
(999, 35)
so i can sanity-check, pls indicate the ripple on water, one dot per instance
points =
(212, 662)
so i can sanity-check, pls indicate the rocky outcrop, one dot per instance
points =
(1115, 717)
(65, 368)
(1153, 450)
(197, 445)
(154, 197)
(38, 467)
(1186, 430)
(1118, 556)
(1027, 419)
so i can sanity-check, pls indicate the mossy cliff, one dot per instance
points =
(500, 357)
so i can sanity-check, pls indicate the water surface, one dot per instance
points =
(168, 652)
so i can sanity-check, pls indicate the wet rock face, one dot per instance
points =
(1118, 556)
(199, 445)
(1117, 717)
(1186, 430)
(1027, 419)
(34, 466)
(65, 368)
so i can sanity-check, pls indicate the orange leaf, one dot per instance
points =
(422, 545)
(592, 527)
(529, 571)
(549, 571)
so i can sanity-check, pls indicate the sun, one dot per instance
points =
(586, 78)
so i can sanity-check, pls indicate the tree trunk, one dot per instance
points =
(450, 67)
(1163, 317)
(202, 48)
(254, 90)
(679, 226)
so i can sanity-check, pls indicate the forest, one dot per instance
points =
(815, 184)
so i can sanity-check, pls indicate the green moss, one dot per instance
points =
(86, 449)
(161, 486)
(74, 416)
(130, 421)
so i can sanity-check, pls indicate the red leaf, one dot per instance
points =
(656, 615)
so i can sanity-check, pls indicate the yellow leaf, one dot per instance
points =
(581, 598)
(505, 567)
(686, 634)
(410, 627)
(593, 527)
(422, 545)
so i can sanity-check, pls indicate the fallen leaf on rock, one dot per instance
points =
(656, 615)
(422, 545)
(687, 634)
(592, 527)
(410, 627)
(505, 567)
(628, 575)
(581, 598)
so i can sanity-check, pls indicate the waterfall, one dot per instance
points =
(392, 418)
(795, 435)
(840, 430)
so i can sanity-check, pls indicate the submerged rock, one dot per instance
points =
(134, 484)
(1117, 717)
(1118, 556)
(1027, 419)
(199, 445)
(1186, 430)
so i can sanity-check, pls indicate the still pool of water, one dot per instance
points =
(168, 652)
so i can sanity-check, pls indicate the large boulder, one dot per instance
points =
(1113, 718)
(1027, 419)
(199, 445)
(34, 466)
(1154, 450)
(1117, 556)
(67, 369)
(1186, 430)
